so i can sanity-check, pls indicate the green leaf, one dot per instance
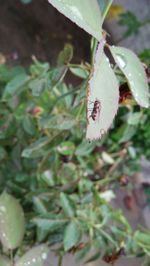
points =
(59, 122)
(72, 236)
(103, 87)
(134, 118)
(35, 150)
(15, 85)
(130, 21)
(86, 14)
(85, 148)
(35, 256)
(66, 148)
(134, 71)
(104, 7)
(37, 86)
(28, 125)
(66, 55)
(145, 57)
(4, 261)
(67, 205)
(12, 224)
(39, 206)
(46, 226)
(79, 72)
(142, 237)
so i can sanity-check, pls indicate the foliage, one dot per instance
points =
(64, 183)
(59, 177)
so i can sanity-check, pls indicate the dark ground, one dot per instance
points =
(38, 29)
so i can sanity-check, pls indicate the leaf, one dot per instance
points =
(85, 148)
(79, 72)
(59, 122)
(35, 150)
(66, 148)
(86, 14)
(4, 261)
(130, 21)
(72, 236)
(103, 87)
(35, 256)
(133, 70)
(46, 226)
(134, 118)
(28, 125)
(15, 85)
(67, 205)
(142, 238)
(12, 224)
(39, 206)
(65, 55)
(37, 86)
(104, 7)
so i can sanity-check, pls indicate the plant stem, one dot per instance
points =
(60, 260)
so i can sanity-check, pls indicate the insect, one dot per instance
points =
(95, 112)
(125, 93)
(111, 259)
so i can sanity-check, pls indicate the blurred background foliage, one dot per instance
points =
(63, 182)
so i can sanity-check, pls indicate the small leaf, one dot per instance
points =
(39, 206)
(35, 150)
(103, 88)
(85, 148)
(134, 71)
(79, 72)
(59, 122)
(15, 86)
(12, 224)
(134, 118)
(35, 256)
(46, 226)
(66, 148)
(37, 87)
(65, 56)
(85, 14)
(28, 125)
(67, 205)
(72, 236)
(107, 158)
(4, 261)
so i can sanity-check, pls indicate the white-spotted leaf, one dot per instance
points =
(85, 13)
(103, 87)
(133, 70)
(36, 256)
(12, 224)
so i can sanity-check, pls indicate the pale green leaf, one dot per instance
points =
(86, 14)
(12, 224)
(35, 256)
(134, 71)
(72, 236)
(103, 87)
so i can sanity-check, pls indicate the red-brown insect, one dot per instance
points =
(96, 110)
(111, 259)
(125, 93)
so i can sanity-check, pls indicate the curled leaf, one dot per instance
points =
(133, 70)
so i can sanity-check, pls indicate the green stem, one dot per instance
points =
(60, 260)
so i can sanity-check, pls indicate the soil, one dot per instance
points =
(38, 29)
